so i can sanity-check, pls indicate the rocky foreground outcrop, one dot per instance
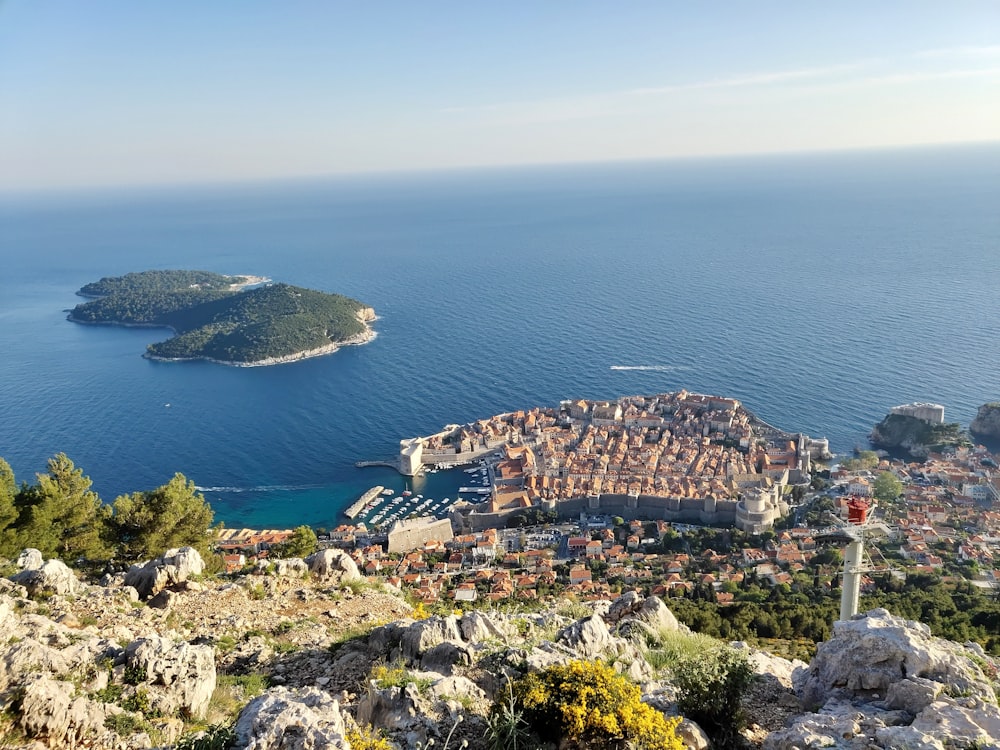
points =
(885, 682)
(271, 655)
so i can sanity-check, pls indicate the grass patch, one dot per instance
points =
(225, 643)
(666, 649)
(396, 675)
(285, 647)
(353, 633)
(233, 692)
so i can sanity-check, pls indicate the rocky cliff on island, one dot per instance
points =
(916, 436)
(309, 654)
(987, 421)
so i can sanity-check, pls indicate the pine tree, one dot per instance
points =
(60, 516)
(8, 510)
(144, 525)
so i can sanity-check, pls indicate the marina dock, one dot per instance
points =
(366, 498)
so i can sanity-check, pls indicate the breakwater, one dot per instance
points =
(362, 501)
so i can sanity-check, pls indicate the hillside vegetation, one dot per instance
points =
(273, 322)
(160, 281)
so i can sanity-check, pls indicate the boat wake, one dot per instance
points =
(648, 368)
(261, 488)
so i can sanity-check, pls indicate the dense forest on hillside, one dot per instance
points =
(274, 321)
(161, 281)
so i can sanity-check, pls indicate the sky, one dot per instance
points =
(118, 92)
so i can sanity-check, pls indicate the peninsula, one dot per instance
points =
(244, 321)
(674, 456)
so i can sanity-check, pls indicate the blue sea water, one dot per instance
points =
(818, 289)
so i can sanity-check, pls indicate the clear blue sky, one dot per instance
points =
(126, 91)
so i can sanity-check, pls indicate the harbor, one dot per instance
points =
(422, 496)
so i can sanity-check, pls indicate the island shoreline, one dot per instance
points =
(369, 335)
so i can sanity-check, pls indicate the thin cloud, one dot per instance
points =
(939, 75)
(756, 79)
(967, 51)
(869, 72)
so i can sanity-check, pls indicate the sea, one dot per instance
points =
(819, 289)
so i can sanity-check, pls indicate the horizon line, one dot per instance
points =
(264, 180)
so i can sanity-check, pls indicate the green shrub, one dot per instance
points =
(216, 737)
(139, 703)
(125, 724)
(256, 592)
(225, 643)
(110, 694)
(588, 702)
(712, 685)
(134, 675)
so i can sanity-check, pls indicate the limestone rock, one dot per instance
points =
(588, 638)
(913, 694)
(457, 688)
(837, 731)
(9, 621)
(871, 652)
(53, 575)
(293, 567)
(186, 672)
(625, 605)
(443, 657)
(329, 563)
(394, 709)
(29, 657)
(50, 711)
(173, 567)
(30, 559)
(906, 738)
(966, 719)
(304, 719)
(787, 672)
(162, 600)
(477, 627)
(693, 736)
(423, 635)
(658, 615)
(13, 590)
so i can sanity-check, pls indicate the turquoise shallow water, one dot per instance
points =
(820, 290)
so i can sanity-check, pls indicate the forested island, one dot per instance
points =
(218, 318)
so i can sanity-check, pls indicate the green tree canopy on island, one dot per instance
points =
(144, 525)
(59, 515)
(212, 320)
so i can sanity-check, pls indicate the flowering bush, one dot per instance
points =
(588, 702)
